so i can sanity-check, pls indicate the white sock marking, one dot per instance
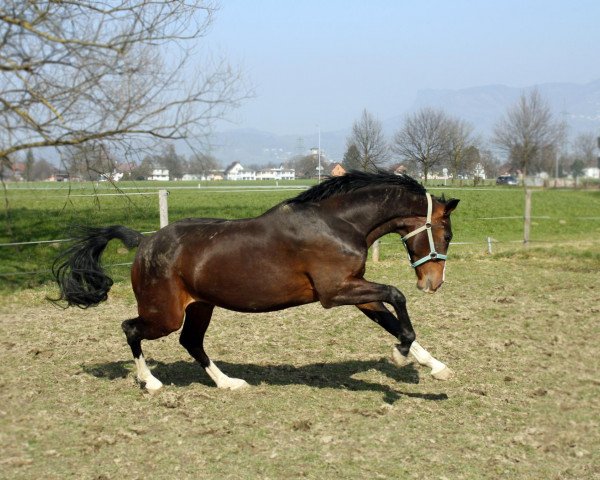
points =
(145, 376)
(425, 358)
(222, 380)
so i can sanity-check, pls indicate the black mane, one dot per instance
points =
(355, 180)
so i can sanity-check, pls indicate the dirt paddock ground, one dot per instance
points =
(520, 331)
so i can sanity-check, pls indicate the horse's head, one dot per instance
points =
(427, 242)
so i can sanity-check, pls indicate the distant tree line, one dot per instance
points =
(430, 140)
(426, 142)
(95, 161)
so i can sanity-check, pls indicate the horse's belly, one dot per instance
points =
(257, 295)
(252, 293)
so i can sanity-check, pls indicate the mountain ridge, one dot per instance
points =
(482, 106)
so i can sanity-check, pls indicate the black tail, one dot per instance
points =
(82, 281)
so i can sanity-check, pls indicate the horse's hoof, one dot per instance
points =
(232, 384)
(152, 391)
(398, 359)
(237, 384)
(151, 385)
(443, 374)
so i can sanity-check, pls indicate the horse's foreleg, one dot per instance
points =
(134, 339)
(438, 369)
(369, 298)
(382, 316)
(378, 312)
(197, 319)
(423, 357)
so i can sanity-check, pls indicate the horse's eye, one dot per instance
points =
(448, 237)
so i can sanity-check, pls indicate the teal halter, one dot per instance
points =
(433, 255)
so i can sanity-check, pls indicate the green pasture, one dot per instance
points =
(46, 211)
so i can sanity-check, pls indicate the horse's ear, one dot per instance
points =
(450, 206)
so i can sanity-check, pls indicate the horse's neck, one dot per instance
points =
(378, 214)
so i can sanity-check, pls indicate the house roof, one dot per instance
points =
(231, 166)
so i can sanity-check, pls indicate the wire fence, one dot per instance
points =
(488, 242)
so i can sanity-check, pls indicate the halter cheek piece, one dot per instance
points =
(433, 255)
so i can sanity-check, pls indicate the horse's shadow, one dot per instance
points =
(338, 375)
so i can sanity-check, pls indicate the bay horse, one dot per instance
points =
(311, 248)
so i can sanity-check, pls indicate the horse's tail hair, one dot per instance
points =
(77, 270)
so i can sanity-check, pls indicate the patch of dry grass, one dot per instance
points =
(520, 331)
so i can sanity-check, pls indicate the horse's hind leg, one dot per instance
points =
(197, 319)
(134, 329)
(157, 318)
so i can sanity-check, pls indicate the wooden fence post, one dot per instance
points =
(527, 217)
(376, 251)
(163, 207)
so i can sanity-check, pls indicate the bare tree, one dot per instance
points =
(422, 141)
(462, 147)
(89, 161)
(489, 162)
(29, 164)
(367, 136)
(352, 159)
(528, 133)
(41, 170)
(306, 166)
(86, 70)
(169, 159)
(584, 148)
(202, 164)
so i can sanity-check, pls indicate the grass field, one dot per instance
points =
(45, 212)
(519, 328)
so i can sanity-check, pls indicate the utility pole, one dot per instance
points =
(564, 121)
(319, 154)
(598, 152)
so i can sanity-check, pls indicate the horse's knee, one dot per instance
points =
(406, 340)
(130, 329)
(133, 337)
(398, 296)
(186, 341)
(140, 328)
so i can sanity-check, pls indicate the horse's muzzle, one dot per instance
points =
(431, 276)
(428, 285)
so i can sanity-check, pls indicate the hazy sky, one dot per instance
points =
(320, 62)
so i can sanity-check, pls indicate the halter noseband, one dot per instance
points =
(433, 255)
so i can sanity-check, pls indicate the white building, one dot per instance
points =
(113, 177)
(235, 171)
(276, 174)
(591, 172)
(192, 176)
(479, 171)
(160, 174)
